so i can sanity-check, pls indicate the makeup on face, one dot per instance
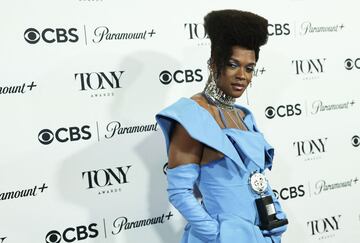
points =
(238, 72)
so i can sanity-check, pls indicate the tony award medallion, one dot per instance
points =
(265, 204)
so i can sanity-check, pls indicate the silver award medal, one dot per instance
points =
(258, 182)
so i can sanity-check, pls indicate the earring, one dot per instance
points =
(246, 91)
(212, 76)
(247, 97)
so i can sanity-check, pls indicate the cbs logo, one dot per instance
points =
(282, 111)
(46, 136)
(355, 140)
(350, 64)
(165, 168)
(278, 29)
(180, 76)
(72, 234)
(290, 192)
(48, 35)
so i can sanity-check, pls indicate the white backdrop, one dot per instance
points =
(82, 158)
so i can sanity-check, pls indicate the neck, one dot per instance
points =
(217, 96)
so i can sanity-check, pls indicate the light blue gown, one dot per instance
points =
(228, 211)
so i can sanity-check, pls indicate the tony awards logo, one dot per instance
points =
(265, 204)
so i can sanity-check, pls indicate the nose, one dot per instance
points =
(241, 73)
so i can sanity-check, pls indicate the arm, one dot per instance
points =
(183, 170)
(183, 149)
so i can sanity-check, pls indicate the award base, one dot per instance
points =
(267, 214)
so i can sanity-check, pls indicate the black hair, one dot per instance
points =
(230, 27)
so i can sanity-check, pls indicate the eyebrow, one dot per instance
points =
(238, 62)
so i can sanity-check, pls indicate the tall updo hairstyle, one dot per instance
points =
(230, 27)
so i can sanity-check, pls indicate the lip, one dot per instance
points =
(238, 86)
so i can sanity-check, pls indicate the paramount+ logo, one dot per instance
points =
(64, 134)
(181, 76)
(49, 35)
(72, 234)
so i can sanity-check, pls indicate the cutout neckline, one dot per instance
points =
(225, 128)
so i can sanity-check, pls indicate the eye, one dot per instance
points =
(250, 69)
(233, 64)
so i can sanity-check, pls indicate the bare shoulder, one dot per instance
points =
(201, 100)
(183, 148)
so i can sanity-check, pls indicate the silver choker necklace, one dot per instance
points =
(217, 96)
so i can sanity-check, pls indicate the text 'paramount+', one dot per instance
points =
(122, 223)
(115, 128)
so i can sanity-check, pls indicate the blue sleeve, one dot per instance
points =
(181, 180)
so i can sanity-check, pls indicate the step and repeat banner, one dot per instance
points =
(82, 157)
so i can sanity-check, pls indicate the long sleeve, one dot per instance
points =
(181, 180)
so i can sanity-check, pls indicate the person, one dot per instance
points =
(215, 145)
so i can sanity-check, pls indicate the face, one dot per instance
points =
(238, 72)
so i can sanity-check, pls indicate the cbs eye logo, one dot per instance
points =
(290, 192)
(355, 140)
(48, 35)
(72, 234)
(180, 76)
(53, 237)
(46, 136)
(270, 112)
(283, 111)
(62, 135)
(165, 168)
(32, 36)
(350, 64)
(165, 77)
